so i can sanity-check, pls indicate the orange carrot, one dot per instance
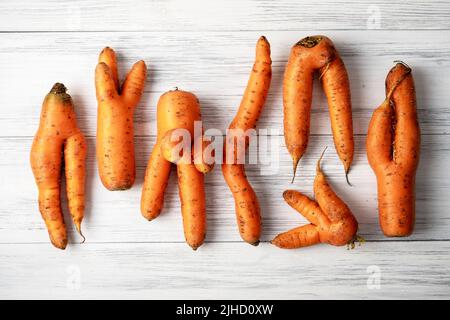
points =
(203, 161)
(311, 54)
(246, 203)
(173, 145)
(331, 221)
(115, 131)
(58, 135)
(393, 149)
(176, 110)
(193, 204)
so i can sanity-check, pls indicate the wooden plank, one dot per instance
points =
(235, 15)
(406, 270)
(215, 66)
(115, 216)
(207, 47)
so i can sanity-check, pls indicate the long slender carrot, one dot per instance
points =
(308, 56)
(246, 203)
(58, 136)
(393, 149)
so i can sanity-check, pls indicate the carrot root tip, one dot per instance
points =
(318, 170)
(346, 178)
(61, 246)
(256, 243)
(80, 233)
(295, 164)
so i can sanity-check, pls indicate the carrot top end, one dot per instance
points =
(58, 88)
(310, 42)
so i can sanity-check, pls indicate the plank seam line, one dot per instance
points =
(211, 242)
(209, 31)
(274, 135)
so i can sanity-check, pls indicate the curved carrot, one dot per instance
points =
(58, 135)
(246, 203)
(115, 131)
(310, 55)
(331, 221)
(176, 110)
(393, 149)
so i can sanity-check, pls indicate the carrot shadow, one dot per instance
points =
(212, 179)
(428, 163)
(262, 179)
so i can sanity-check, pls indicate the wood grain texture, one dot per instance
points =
(207, 47)
(412, 270)
(115, 216)
(215, 66)
(230, 15)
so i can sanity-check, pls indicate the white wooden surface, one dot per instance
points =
(207, 47)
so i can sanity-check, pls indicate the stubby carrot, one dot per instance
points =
(115, 130)
(331, 220)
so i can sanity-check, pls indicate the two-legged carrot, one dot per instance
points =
(59, 140)
(115, 130)
(393, 150)
(177, 111)
(308, 56)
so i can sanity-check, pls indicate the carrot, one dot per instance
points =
(393, 149)
(115, 132)
(193, 204)
(203, 161)
(173, 145)
(311, 54)
(173, 148)
(331, 221)
(246, 203)
(58, 136)
(176, 110)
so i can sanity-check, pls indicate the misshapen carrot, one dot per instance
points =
(173, 149)
(58, 138)
(331, 221)
(310, 55)
(115, 130)
(177, 110)
(393, 150)
(246, 203)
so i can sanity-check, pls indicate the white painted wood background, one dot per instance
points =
(207, 47)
